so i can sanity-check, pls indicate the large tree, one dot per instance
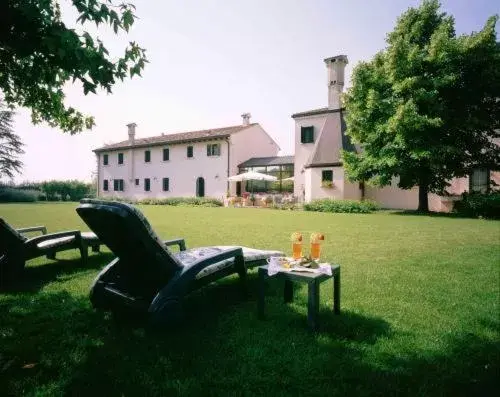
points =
(10, 145)
(39, 54)
(426, 108)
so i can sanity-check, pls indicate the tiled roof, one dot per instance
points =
(263, 161)
(331, 140)
(181, 137)
(315, 112)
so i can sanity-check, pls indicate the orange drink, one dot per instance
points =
(297, 250)
(315, 250)
(296, 245)
(315, 244)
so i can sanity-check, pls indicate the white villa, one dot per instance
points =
(186, 164)
(198, 163)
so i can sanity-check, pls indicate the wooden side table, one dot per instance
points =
(313, 281)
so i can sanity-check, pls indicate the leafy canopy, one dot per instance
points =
(427, 106)
(39, 54)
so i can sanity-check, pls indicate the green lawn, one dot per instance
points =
(420, 313)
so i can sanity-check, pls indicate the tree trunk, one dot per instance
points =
(423, 200)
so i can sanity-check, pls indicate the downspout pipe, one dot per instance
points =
(228, 163)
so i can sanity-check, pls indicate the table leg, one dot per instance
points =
(313, 304)
(262, 287)
(288, 292)
(336, 292)
(95, 248)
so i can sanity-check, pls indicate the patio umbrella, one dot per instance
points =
(252, 176)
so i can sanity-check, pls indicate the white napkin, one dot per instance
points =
(275, 267)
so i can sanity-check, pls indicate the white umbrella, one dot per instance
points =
(288, 179)
(252, 176)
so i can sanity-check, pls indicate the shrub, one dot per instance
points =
(69, 190)
(11, 195)
(184, 201)
(350, 206)
(486, 205)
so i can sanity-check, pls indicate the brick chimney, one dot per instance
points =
(246, 118)
(131, 132)
(335, 67)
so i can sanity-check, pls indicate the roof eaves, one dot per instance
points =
(161, 143)
(315, 112)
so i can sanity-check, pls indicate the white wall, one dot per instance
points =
(392, 196)
(314, 190)
(181, 170)
(248, 143)
(304, 150)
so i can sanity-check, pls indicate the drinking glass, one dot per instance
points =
(297, 249)
(315, 250)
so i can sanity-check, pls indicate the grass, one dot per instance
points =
(420, 313)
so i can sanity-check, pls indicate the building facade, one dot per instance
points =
(319, 139)
(188, 164)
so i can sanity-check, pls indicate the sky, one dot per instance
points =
(211, 61)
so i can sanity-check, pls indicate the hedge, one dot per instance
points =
(349, 206)
(484, 205)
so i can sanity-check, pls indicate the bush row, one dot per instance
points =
(174, 201)
(11, 195)
(72, 190)
(484, 205)
(349, 206)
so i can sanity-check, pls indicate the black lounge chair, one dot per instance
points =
(16, 249)
(146, 278)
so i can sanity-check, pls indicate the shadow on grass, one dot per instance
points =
(56, 344)
(432, 214)
(35, 277)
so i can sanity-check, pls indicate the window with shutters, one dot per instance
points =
(105, 159)
(147, 184)
(105, 185)
(307, 134)
(137, 182)
(166, 154)
(166, 184)
(213, 149)
(120, 158)
(147, 156)
(190, 151)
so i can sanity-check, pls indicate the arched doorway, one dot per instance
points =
(200, 187)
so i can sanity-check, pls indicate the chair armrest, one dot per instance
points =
(42, 229)
(182, 281)
(35, 240)
(176, 241)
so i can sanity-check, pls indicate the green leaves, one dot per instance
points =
(39, 54)
(425, 108)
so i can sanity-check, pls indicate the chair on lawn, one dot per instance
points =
(147, 278)
(16, 249)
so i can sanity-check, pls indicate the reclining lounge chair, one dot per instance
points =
(16, 249)
(146, 278)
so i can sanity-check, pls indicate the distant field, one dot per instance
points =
(420, 313)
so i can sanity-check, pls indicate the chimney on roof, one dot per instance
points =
(246, 118)
(131, 132)
(335, 67)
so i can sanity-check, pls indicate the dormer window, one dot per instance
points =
(307, 134)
